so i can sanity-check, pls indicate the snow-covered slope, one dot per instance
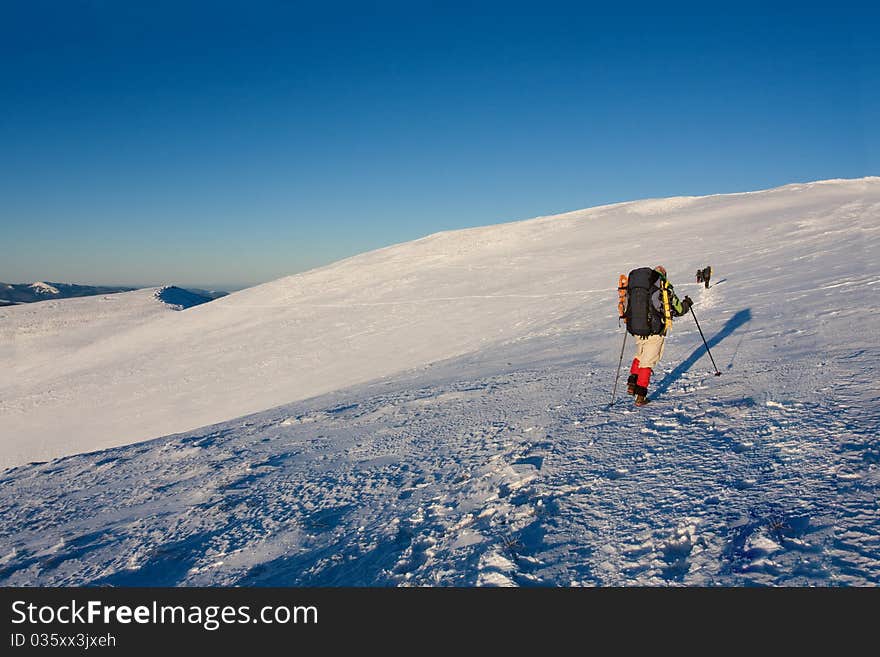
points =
(35, 337)
(439, 297)
(461, 434)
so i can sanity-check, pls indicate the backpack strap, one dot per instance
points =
(667, 310)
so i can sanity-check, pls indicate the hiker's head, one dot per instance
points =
(661, 269)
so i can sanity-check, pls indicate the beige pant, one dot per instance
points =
(649, 350)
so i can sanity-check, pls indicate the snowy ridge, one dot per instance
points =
(467, 440)
(177, 298)
(44, 288)
(35, 336)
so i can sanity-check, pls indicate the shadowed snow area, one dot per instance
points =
(178, 298)
(438, 414)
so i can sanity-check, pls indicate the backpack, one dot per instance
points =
(644, 307)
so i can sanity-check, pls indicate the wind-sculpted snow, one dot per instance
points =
(518, 477)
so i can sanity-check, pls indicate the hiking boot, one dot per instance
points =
(641, 400)
(631, 384)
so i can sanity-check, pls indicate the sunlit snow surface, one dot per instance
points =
(454, 427)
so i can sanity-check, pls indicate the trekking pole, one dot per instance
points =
(717, 373)
(619, 363)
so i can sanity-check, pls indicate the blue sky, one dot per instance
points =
(224, 144)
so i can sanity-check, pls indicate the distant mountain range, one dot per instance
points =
(14, 293)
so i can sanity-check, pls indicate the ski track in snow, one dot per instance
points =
(516, 478)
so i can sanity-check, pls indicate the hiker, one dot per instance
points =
(703, 276)
(651, 305)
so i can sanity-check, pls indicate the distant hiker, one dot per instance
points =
(651, 304)
(703, 276)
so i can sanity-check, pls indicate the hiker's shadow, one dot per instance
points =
(740, 318)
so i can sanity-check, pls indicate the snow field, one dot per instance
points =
(466, 437)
